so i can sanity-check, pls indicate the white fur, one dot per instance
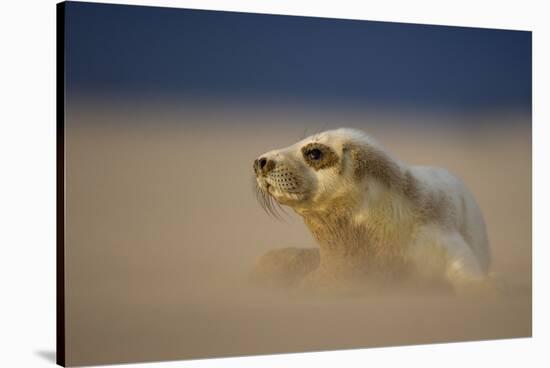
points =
(455, 247)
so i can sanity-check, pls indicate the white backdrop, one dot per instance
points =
(27, 180)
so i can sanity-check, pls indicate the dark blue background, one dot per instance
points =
(148, 51)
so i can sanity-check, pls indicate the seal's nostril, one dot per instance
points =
(262, 162)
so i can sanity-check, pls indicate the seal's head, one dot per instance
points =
(316, 172)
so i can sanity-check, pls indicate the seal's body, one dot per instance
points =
(371, 214)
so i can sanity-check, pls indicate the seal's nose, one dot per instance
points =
(262, 162)
(263, 165)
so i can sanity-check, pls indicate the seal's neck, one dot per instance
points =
(363, 235)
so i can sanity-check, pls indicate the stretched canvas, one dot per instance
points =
(236, 184)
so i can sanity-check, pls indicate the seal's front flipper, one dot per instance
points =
(285, 267)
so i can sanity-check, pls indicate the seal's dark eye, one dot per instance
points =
(314, 154)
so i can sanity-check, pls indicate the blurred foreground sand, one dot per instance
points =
(163, 228)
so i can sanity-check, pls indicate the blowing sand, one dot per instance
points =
(163, 228)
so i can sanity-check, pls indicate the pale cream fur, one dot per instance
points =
(374, 217)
